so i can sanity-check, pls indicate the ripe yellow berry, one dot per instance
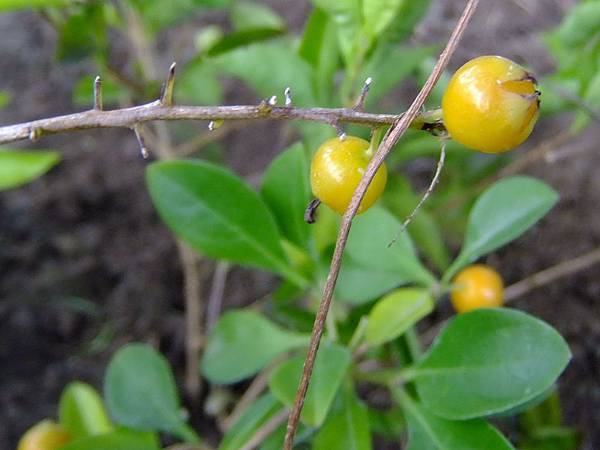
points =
(336, 170)
(45, 435)
(477, 286)
(491, 104)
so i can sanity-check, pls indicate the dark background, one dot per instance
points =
(85, 264)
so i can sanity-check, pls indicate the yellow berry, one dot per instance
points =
(477, 286)
(336, 170)
(491, 104)
(45, 435)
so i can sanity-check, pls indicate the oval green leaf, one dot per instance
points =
(216, 213)
(429, 432)
(82, 412)
(330, 367)
(502, 213)
(242, 343)
(397, 312)
(286, 191)
(368, 253)
(488, 361)
(347, 425)
(18, 167)
(140, 391)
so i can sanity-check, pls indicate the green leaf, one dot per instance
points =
(319, 47)
(400, 199)
(286, 191)
(83, 34)
(580, 27)
(347, 425)
(389, 66)
(411, 12)
(330, 367)
(253, 418)
(488, 361)
(82, 412)
(217, 214)
(368, 252)
(18, 167)
(428, 432)
(251, 15)
(140, 392)
(9, 5)
(502, 213)
(254, 65)
(242, 343)
(118, 440)
(347, 16)
(397, 312)
(243, 38)
(379, 14)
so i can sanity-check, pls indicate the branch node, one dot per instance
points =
(35, 134)
(360, 102)
(264, 109)
(98, 93)
(288, 96)
(166, 98)
(139, 135)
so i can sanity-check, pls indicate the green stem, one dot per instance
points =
(413, 343)
(387, 377)
(358, 334)
(188, 434)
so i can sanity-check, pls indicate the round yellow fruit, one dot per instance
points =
(477, 286)
(336, 170)
(491, 104)
(45, 435)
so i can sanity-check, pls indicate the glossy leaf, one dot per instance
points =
(241, 39)
(117, 440)
(347, 425)
(488, 361)
(18, 167)
(253, 418)
(429, 432)
(330, 367)
(82, 412)
(397, 312)
(286, 191)
(216, 213)
(411, 12)
(502, 213)
(368, 251)
(242, 343)
(140, 391)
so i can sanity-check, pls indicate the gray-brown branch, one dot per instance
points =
(130, 117)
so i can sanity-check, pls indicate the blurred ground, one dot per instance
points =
(86, 265)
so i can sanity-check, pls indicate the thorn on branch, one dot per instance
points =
(311, 211)
(139, 134)
(214, 124)
(98, 94)
(338, 130)
(273, 100)
(166, 98)
(288, 96)
(360, 102)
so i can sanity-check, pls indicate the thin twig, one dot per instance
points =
(395, 132)
(257, 386)
(215, 298)
(430, 188)
(551, 274)
(265, 430)
(128, 117)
